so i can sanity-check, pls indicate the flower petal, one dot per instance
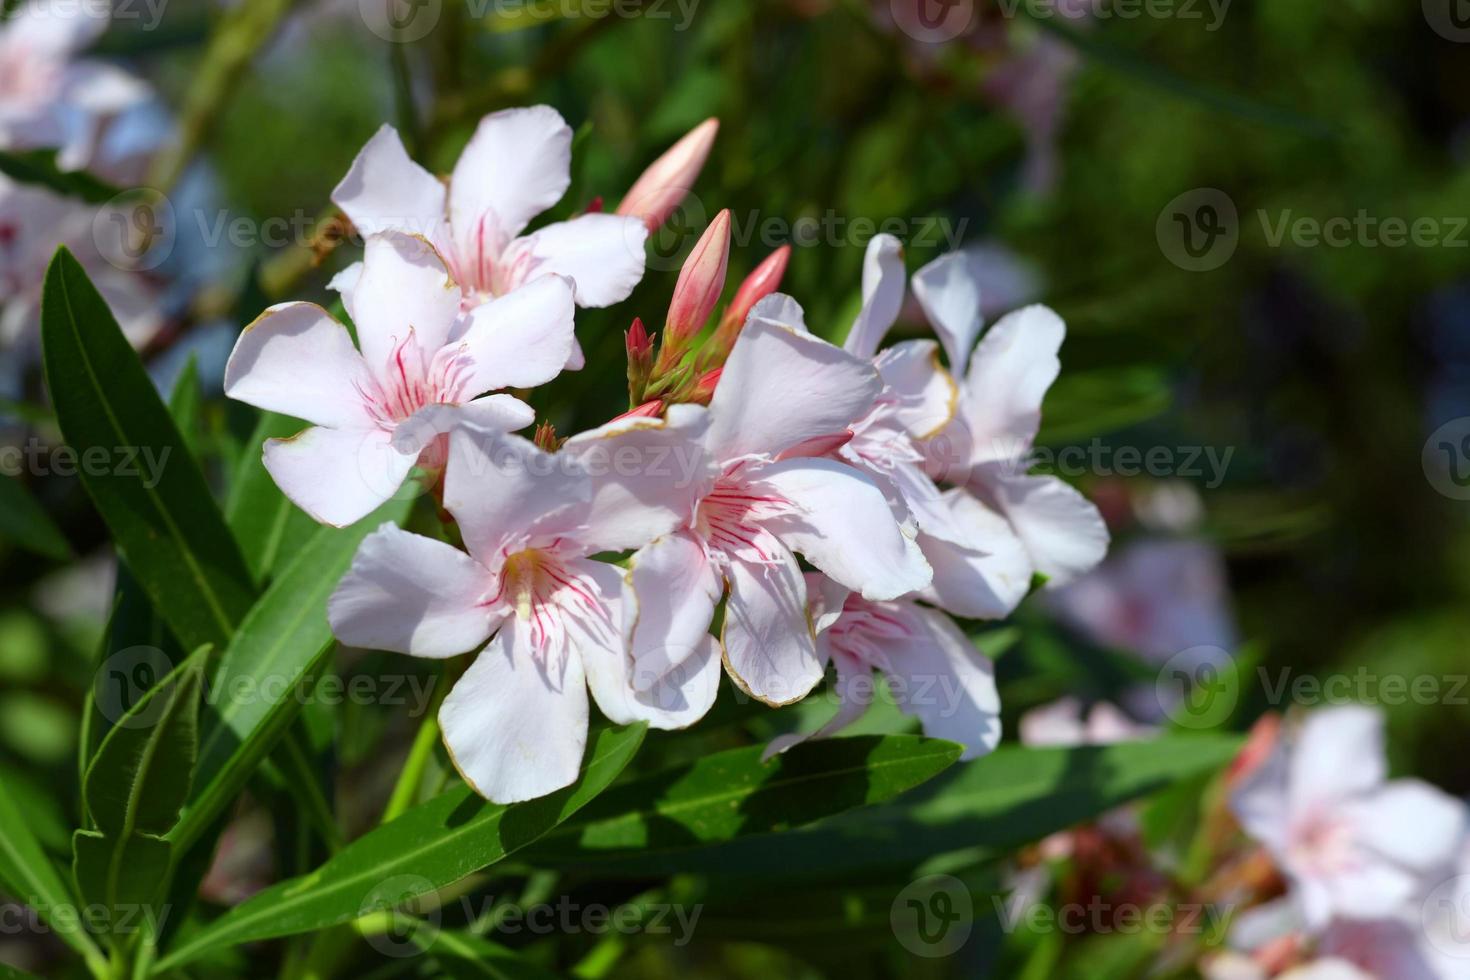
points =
(854, 690)
(950, 297)
(518, 164)
(779, 310)
(648, 473)
(988, 575)
(514, 731)
(767, 639)
(675, 590)
(946, 683)
(781, 388)
(411, 594)
(883, 288)
(1337, 754)
(384, 190)
(845, 526)
(521, 340)
(926, 398)
(1009, 375)
(503, 490)
(298, 361)
(602, 253)
(339, 476)
(404, 287)
(1412, 823)
(1063, 532)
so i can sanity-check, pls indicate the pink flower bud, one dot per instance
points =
(698, 290)
(640, 360)
(655, 195)
(639, 346)
(762, 282)
(704, 388)
(648, 410)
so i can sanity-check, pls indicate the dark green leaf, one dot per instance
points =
(23, 522)
(160, 513)
(430, 846)
(186, 403)
(38, 167)
(269, 528)
(734, 794)
(121, 873)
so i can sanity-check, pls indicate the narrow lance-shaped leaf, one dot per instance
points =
(268, 526)
(432, 845)
(24, 523)
(153, 496)
(259, 684)
(734, 794)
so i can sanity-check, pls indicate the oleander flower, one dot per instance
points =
(556, 619)
(422, 368)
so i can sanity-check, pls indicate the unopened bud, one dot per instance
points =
(648, 410)
(704, 388)
(698, 290)
(640, 359)
(655, 195)
(762, 282)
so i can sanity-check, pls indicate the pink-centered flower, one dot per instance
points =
(515, 724)
(517, 165)
(1351, 843)
(933, 670)
(759, 505)
(50, 98)
(421, 370)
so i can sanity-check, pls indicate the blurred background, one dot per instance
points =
(1252, 216)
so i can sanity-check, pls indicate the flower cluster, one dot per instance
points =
(599, 563)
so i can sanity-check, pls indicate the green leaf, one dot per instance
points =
(38, 167)
(8, 972)
(121, 873)
(23, 522)
(734, 794)
(269, 528)
(139, 778)
(433, 845)
(160, 513)
(985, 808)
(186, 403)
(28, 874)
(272, 661)
(466, 956)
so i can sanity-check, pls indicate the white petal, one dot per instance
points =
(779, 310)
(1063, 532)
(518, 164)
(602, 253)
(496, 413)
(647, 473)
(845, 527)
(946, 683)
(1261, 803)
(57, 29)
(825, 599)
(988, 575)
(677, 700)
(411, 594)
(767, 639)
(404, 286)
(676, 590)
(1338, 755)
(781, 388)
(1412, 823)
(883, 287)
(514, 731)
(384, 190)
(1009, 375)
(339, 476)
(521, 340)
(295, 359)
(927, 398)
(344, 283)
(854, 691)
(502, 490)
(950, 297)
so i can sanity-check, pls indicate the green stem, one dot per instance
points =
(411, 778)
